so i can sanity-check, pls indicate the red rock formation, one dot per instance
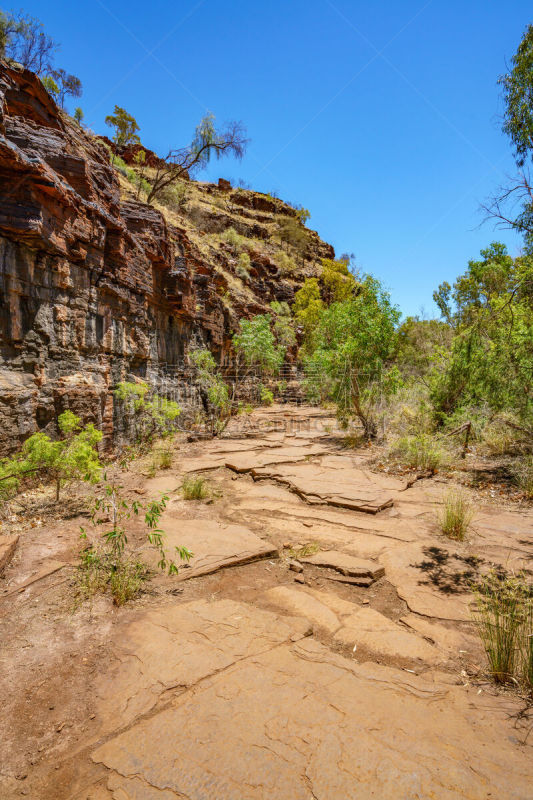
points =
(93, 288)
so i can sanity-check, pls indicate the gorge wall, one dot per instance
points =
(98, 287)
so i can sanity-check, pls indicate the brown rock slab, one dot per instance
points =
(175, 646)
(346, 564)
(246, 462)
(363, 582)
(367, 628)
(215, 545)
(303, 604)
(299, 721)
(349, 488)
(8, 545)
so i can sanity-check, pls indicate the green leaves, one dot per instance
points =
(517, 94)
(256, 345)
(350, 350)
(72, 458)
(491, 358)
(125, 127)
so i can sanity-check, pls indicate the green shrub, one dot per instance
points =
(104, 566)
(266, 396)
(155, 416)
(73, 457)
(194, 487)
(256, 344)
(214, 391)
(456, 515)
(418, 452)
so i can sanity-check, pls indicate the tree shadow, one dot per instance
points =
(451, 573)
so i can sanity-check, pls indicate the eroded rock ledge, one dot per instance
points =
(94, 285)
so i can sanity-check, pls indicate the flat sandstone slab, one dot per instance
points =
(215, 545)
(349, 488)
(346, 564)
(299, 721)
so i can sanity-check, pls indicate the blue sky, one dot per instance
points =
(383, 118)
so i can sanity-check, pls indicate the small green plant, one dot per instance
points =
(456, 515)
(174, 196)
(214, 392)
(165, 459)
(266, 396)
(194, 487)
(418, 452)
(256, 345)
(503, 619)
(105, 566)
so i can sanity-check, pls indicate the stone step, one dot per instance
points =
(348, 565)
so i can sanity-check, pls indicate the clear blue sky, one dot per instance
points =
(382, 118)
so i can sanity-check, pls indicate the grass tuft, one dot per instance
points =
(503, 617)
(456, 515)
(194, 487)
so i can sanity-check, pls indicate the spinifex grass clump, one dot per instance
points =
(503, 617)
(194, 487)
(456, 515)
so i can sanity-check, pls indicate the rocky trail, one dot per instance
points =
(319, 644)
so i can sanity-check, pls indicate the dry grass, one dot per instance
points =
(194, 487)
(456, 515)
(523, 473)
(308, 549)
(504, 619)
(98, 574)
(419, 452)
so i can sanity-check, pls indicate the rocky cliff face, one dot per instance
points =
(96, 286)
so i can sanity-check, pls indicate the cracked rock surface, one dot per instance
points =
(233, 681)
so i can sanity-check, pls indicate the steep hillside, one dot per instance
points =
(97, 286)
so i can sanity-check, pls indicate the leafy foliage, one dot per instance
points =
(518, 98)
(74, 457)
(338, 282)
(308, 306)
(125, 127)
(154, 415)
(352, 345)
(256, 345)
(208, 141)
(490, 309)
(67, 85)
